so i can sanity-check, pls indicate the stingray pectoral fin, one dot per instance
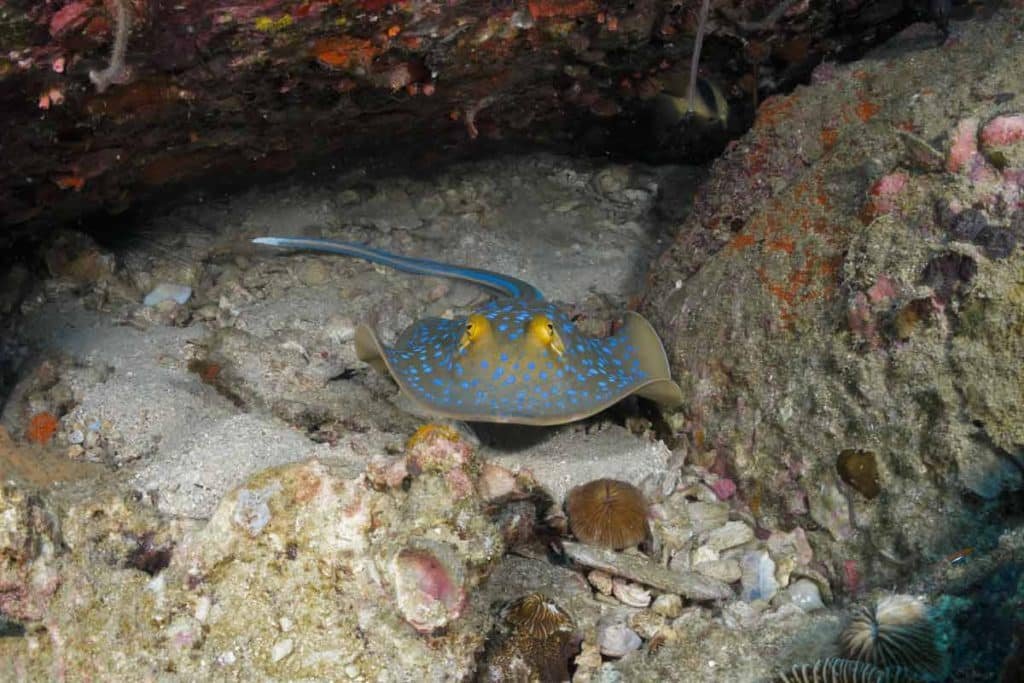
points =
(370, 350)
(659, 387)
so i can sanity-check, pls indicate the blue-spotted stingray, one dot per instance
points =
(518, 359)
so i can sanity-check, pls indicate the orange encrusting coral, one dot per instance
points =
(866, 110)
(429, 431)
(796, 227)
(829, 137)
(543, 9)
(41, 428)
(345, 52)
(67, 182)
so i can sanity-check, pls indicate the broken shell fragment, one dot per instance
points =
(428, 581)
(631, 594)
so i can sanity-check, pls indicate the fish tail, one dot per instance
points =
(504, 284)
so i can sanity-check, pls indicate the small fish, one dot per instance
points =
(671, 107)
(959, 556)
(517, 359)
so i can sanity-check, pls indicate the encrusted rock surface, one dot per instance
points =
(835, 291)
(111, 101)
(299, 573)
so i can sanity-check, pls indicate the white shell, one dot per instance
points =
(601, 581)
(631, 594)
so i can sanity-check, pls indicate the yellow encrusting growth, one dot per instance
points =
(430, 430)
(269, 25)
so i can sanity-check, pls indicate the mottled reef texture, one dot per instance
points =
(301, 573)
(845, 305)
(204, 90)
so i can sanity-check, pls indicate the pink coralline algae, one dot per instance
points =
(884, 289)
(428, 586)
(964, 149)
(1002, 140)
(885, 192)
(69, 17)
(724, 488)
(1003, 130)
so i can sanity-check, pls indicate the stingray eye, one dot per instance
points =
(476, 325)
(543, 329)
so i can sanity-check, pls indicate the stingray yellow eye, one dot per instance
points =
(543, 330)
(476, 326)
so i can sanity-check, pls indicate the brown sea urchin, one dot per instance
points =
(607, 513)
(895, 632)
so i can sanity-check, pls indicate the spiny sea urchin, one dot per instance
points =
(608, 513)
(835, 670)
(895, 632)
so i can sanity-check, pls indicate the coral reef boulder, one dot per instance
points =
(306, 571)
(831, 294)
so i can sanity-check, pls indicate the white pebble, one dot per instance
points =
(617, 640)
(76, 436)
(726, 570)
(730, 535)
(804, 594)
(166, 291)
(281, 649)
(668, 605)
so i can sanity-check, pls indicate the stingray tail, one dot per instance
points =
(509, 286)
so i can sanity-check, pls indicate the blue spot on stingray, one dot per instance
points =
(511, 379)
(498, 373)
(438, 381)
(484, 364)
(531, 365)
(502, 327)
(526, 377)
(427, 369)
(504, 357)
(543, 376)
